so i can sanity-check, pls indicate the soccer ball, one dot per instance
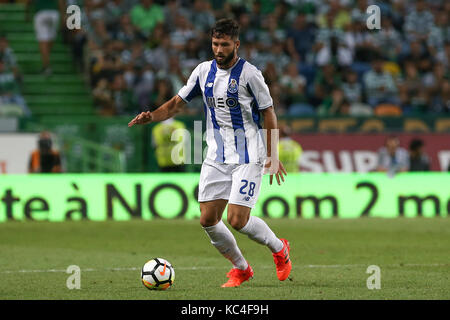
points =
(157, 274)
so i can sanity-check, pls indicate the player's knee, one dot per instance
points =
(207, 221)
(236, 222)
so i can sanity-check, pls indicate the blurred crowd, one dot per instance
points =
(318, 57)
(11, 99)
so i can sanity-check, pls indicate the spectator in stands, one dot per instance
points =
(380, 86)
(335, 52)
(439, 34)
(146, 15)
(284, 14)
(121, 96)
(183, 32)
(433, 82)
(105, 66)
(168, 161)
(163, 92)
(103, 98)
(294, 87)
(135, 54)
(176, 76)
(388, 41)
(95, 9)
(277, 56)
(270, 33)
(338, 106)
(173, 8)
(336, 15)
(289, 150)
(192, 55)
(412, 92)
(392, 158)
(114, 9)
(98, 35)
(309, 33)
(360, 41)
(11, 101)
(160, 56)
(354, 95)
(419, 22)
(45, 159)
(300, 39)
(327, 80)
(126, 33)
(248, 33)
(202, 16)
(359, 12)
(353, 90)
(418, 159)
(47, 19)
(441, 102)
(8, 57)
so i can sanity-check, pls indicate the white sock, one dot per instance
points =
(257, 230)
(222, 238)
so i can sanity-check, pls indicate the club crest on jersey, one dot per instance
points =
(233, 86)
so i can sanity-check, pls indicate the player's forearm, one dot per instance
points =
(271, 127)
(168, 109)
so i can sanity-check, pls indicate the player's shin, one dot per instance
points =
(257, 230)
(222, 238)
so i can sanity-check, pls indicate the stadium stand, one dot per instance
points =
(327, 72)
(126, 57)
(63, 93)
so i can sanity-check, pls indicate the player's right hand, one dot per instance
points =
(142, 118)
(276, 169)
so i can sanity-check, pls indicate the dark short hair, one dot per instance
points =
(225, 27)
(415, 144)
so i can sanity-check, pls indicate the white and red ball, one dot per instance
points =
(157, 274)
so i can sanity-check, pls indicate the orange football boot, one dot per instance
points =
(237, 276)
(282, 261)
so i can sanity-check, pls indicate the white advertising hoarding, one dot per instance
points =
(15, 151)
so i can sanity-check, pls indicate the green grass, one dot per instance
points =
(330, 258)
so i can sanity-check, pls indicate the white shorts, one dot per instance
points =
(237, 183)
(46, 23)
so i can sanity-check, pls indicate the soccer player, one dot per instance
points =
(235, 95)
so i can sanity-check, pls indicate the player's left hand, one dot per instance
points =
(276, 169)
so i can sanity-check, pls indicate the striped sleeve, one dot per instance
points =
(259, 90)
(192, 88)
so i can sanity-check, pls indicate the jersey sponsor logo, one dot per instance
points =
(221, 102)
(233, 86)
(209, 84)
(210, 102)
(231, 102)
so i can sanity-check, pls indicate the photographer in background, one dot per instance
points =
(418, 159)
(392, 158)
(45, 159)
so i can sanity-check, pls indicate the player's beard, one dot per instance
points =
(226, 60)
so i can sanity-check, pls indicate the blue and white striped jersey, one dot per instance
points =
(233, 99)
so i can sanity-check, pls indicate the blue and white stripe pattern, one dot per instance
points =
(233, 99)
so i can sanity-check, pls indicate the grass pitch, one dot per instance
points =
(330, 259)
